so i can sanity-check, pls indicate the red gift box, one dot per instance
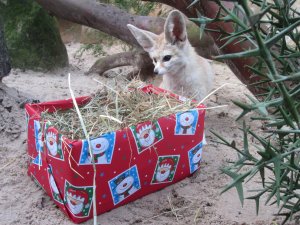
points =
(130, 163)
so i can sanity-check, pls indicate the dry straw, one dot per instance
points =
(86, 134)
(110, 110)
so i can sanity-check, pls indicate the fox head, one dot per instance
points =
(167, 50)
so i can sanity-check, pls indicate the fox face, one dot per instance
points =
(167, 59)
(184, 71)
(166, 49)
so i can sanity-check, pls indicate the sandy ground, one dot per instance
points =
(197, 199)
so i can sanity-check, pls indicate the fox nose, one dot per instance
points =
(155, 71)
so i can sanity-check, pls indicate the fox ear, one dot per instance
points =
(175, 28)
(145, 38)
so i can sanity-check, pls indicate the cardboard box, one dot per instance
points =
(130, 163)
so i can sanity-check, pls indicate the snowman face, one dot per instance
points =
(163, 172)
(40, 139)
(186, 119)
(75, 205)
(53, 184)
(197, 157)
(38, 135)
(147, 137)
(99, 145)
(51, 143)
(125, 185)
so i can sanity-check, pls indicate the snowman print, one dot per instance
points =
(55, 192)
(53, 185)
(195, 156)
(146, 136)
(164, 170)
(99, 147)
(54, 143)
(186, 120)
(51, 142)
(102, 150)
(124, 185)
(38, 135)
(77, 200)
(186, 123)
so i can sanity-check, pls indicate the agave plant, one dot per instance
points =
(274, 34)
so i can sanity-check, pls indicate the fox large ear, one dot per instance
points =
(175, 28)
(145, 38)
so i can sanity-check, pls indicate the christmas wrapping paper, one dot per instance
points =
(130, 163)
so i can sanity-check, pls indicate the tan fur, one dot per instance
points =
(185, 73)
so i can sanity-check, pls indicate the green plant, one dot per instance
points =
(135, 6)
(97, 50)
(32, 36)
(275, 37)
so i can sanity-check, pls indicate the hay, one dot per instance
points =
(111, 110)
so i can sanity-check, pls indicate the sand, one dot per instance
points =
(196, 199)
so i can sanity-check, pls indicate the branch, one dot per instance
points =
(112, 61)
(138, 59)
(104, 17)
(112, 20)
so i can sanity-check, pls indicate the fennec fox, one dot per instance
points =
(184, 71)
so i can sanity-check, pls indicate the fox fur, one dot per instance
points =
(184, 71)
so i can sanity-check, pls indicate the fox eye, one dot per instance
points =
(167, 58)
